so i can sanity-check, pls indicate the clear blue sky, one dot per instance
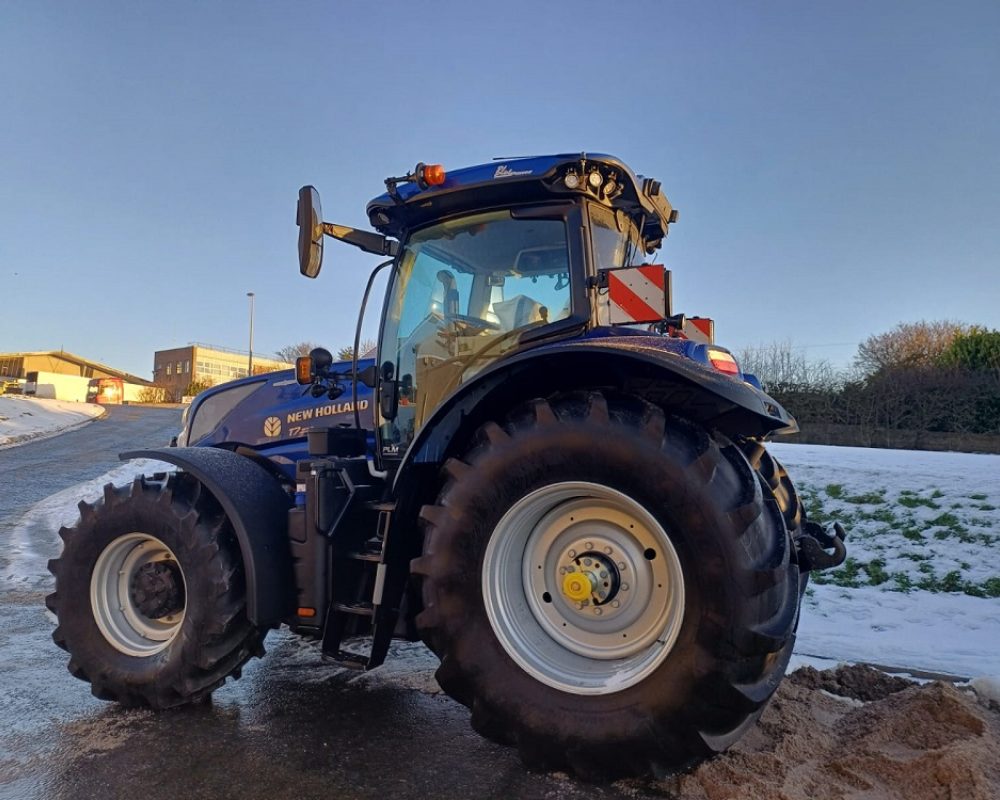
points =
(836, 165)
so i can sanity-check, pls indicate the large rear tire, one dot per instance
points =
(150, 595)
(608, 588)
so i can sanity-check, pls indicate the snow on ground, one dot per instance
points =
(34, 538)
(25, 418)
(921, 586)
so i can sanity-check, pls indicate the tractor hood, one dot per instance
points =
(265, 411)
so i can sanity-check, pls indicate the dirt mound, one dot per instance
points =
(860, 683)
(925, 742)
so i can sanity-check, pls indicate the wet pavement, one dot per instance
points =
(293, 726)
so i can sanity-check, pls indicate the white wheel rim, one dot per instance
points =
(116, 613)
(633, 614)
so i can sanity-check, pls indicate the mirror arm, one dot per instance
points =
(366, 240)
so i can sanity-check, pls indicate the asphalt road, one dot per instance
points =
(293, 726)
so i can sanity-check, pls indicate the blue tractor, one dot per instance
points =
(547, 475)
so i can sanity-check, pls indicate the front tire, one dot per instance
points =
(700, 638)
(150, 595)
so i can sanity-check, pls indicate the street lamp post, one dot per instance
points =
(250, 361)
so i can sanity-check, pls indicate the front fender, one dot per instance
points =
(257, 507)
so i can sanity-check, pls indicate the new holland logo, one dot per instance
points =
(272, 426)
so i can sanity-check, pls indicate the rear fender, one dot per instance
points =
(257, 507)
(653, 369)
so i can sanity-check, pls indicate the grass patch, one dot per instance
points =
(884, 515)
(876, 571)
(871, 498)
(834, 490)
(986, 507)
(912, 533)
(937, 494)
(977, 496)
(912, 501)
(946, 520)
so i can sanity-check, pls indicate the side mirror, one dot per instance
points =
(309, 218)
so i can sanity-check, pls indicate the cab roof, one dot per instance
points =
(514, 181)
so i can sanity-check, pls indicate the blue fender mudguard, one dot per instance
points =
(257, 508)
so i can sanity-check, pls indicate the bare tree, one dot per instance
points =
(290, 352)
(782, 368)
(909, 344)
(347, 353)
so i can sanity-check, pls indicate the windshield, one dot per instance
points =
(462, 294)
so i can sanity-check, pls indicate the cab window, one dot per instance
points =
(462, 294)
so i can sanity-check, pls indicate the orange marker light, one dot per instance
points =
(303, 370)
(306, 612)
(434, 174)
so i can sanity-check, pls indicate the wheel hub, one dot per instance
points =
(138, 594)
(589, 578)
(157, 589)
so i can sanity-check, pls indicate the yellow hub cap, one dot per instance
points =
(578, 586)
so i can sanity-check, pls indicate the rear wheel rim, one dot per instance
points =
(573, 537)
(115, 604)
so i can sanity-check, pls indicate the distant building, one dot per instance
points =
(176, 369)
(58, 375)
(19, 365)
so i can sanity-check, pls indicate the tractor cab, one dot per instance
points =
(493, 259)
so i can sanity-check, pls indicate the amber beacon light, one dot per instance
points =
(433, 174)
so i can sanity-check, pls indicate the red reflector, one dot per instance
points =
(434, 174)
(723, 362)
(306, 612)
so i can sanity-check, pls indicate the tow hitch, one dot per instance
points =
(814, 546)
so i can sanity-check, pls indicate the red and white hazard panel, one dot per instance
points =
(637, 294)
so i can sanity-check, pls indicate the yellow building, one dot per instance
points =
(20, 365)
(177, 368)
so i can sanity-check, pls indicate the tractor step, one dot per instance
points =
(360, 609)
(360, 574)
(348, 660)
(365, 555)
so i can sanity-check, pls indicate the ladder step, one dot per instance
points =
(347, 659)
(361, 609)
(364, 555)
(381, 505)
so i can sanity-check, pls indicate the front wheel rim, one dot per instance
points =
(583, 588)
(118, 609)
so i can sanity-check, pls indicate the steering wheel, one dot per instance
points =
(472, 325)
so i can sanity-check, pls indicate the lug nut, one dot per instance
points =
(624, 587)
(615, 604)
(607, 550)
(621, 565)
(571, 553)
(604, 574)
(589, 545)
(598, 611)
(587, 562)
